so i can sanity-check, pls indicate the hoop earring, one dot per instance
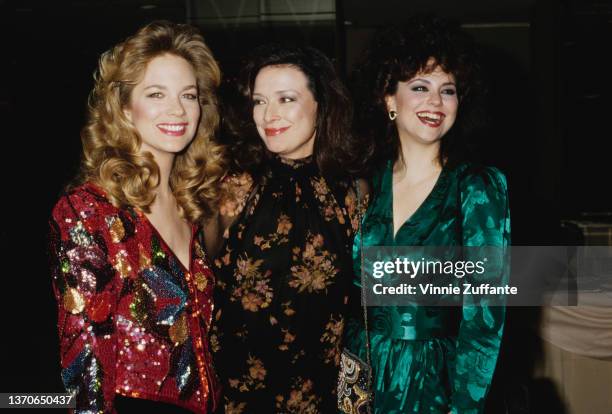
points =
(392, 115)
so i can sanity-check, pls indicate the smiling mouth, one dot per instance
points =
(431, 119)
(176, 130)
(272, 132)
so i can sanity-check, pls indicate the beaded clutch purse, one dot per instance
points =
(354, 392)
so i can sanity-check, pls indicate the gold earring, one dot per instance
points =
(392, 115)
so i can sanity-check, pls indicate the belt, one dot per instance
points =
(413, 324)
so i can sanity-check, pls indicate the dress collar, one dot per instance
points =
(284, 167)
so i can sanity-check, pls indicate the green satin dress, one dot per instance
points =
(428, 359)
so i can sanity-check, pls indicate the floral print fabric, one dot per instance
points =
(283, 276)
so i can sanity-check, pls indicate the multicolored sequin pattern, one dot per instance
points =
(132, 319)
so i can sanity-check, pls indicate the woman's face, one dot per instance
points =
(285, 111)
(164, 106)
(426, 106)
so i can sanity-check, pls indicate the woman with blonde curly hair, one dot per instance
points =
(129, 272)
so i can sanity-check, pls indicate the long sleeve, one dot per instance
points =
(485, 223)
(85, 292)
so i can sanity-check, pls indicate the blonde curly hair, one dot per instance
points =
(111, 145)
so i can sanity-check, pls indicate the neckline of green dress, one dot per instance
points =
(387, 189)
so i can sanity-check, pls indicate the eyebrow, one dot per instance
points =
(428, 82)
(279, 92)
(164, 88)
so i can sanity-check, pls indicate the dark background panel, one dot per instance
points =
(549, 109)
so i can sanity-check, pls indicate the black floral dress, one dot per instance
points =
(283, 279)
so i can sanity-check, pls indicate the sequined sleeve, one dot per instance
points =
(82, 283)
(485, 222)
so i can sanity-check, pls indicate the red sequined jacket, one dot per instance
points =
(132, 319)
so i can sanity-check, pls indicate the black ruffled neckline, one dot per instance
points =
(285, 167)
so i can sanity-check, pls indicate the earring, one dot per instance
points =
(392, 115)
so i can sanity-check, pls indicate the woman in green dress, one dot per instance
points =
(420, 83)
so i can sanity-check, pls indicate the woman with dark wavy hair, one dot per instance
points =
(285, 267)
(417, 88)
(129, 272)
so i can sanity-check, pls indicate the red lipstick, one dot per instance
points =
(271, 132)
(431, 119)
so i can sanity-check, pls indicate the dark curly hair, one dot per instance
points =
(399, 54)
(335, 150)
